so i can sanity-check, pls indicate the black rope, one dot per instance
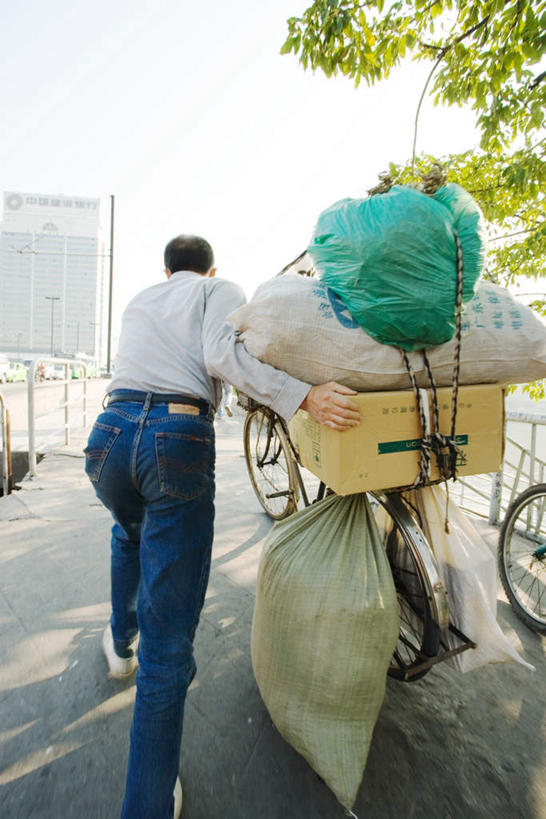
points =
(458, 333)
(435, 441)
(425, 444)
(439, 442)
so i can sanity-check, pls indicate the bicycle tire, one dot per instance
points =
(422, 599)
(522, 557)
(270, 463)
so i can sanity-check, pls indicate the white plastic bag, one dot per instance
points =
(468, 570)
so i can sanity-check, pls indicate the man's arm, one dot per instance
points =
(226, 357)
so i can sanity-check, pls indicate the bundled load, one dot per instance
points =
(392, 259)
(324, 630)
(300, 325)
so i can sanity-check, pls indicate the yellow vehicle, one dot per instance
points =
(16, 372)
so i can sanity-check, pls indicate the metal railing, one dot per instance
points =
(5, 446)
(490, 495)
(69, 364)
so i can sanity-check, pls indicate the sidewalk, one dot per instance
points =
(449, 746)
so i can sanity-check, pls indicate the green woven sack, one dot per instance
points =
(324, 630)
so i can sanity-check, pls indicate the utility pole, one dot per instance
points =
(111, 277)
(52, 299)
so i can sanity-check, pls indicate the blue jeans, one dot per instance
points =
(154, 470)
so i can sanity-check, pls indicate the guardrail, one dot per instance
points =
(535, 473)
(68, 363)
(5, 446)
(494, 493)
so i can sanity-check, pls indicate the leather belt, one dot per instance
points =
(159, 398)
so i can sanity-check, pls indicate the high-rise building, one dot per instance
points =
(51, 275)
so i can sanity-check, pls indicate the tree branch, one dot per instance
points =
(434, 67)
(473, 191)
(444, 49)
(519, 9)
(537, 80)
(515, 233)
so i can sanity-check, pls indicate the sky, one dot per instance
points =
(192, 119)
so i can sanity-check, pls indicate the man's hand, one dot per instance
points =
(329, 404)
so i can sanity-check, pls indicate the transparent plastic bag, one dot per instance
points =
(469, 572)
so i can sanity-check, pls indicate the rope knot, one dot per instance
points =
(385, 184)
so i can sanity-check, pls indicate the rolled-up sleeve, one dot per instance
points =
(226, 356)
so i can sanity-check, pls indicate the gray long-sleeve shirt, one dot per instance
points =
(175, 338)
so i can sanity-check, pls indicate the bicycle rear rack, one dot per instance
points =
(444, 654)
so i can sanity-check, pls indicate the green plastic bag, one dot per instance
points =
(391, 258)
(324, 630)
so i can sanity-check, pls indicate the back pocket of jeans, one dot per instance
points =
(101, 441)
(182, 464)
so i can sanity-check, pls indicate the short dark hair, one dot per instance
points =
(188, 253)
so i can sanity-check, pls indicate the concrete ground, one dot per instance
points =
(449, 746)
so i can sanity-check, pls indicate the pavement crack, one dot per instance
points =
(12, 610)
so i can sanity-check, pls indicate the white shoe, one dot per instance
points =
(177, 799)
(119, 667)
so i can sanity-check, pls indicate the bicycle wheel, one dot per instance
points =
(522, 557)
(422, 599)
(270, 463)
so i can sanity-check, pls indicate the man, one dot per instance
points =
(150, 457)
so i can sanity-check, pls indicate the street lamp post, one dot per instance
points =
(52, 299)
(94, 325)
(110, 288)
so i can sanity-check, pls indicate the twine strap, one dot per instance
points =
(434, 441)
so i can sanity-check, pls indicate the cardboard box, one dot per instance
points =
(383, 451)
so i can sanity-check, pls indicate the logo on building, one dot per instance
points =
(14, 201)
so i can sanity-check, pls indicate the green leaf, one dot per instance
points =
(287, 46)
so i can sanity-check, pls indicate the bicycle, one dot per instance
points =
(522, 557)
(274, 470)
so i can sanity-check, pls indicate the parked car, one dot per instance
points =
(59, 372)
(48, 370)
(4, 368)
(92, 370)
(77, 371)
(17, 372)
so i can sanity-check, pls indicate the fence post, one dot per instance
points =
(67, 374)
(496, 497)
(85, 397)
(5, 463)
(31, 431)
(532, 457)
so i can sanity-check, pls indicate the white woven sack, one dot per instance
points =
(297, 324)
(469, 572)
(324, 630)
